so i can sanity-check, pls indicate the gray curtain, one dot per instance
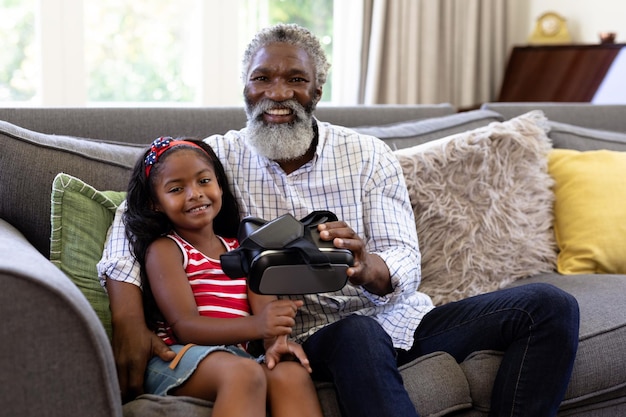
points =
(433, 51)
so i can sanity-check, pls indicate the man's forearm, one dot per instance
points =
(126, 301)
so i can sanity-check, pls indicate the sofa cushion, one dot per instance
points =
(483, 206)
(405, 134)
(80, 218)
(569, 136)
(30, 161)
(480, 369)
(445, 391)
(600, 366)
(589, 210)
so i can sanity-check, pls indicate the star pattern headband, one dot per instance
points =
(161, 145)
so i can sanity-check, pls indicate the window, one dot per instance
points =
(141, 51)
(118, 52)
(20, 58)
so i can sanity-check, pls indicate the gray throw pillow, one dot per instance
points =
(29, 162)
(406, 134)
(569, 136)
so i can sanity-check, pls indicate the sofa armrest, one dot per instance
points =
(56, 358)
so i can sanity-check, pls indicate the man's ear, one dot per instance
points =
(318, 95)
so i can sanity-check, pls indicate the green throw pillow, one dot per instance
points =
(80, 219)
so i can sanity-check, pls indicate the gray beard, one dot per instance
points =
(281, 142)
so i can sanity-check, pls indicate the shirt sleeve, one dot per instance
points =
(390, 226)
(118, 262)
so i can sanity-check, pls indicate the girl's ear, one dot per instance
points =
(155, 206)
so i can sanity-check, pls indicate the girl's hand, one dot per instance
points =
(277, 318)
(283, 348)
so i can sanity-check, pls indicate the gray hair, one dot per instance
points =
(292, 34)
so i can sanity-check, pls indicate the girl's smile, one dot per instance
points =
(187, 190)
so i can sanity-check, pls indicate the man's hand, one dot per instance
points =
(133, 343)
(133, 347)
(369, 270)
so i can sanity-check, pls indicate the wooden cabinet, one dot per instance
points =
(563, 73)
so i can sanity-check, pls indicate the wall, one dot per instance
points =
(585, 18)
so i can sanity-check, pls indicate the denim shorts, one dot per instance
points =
(160, 378)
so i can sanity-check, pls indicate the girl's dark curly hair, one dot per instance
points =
(144, 224)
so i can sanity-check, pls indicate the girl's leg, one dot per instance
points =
(290, 391)
(236, 385)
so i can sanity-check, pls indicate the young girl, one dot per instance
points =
(181, 216)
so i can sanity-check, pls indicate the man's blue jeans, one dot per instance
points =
(535, 325)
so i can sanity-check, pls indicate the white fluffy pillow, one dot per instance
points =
(483, 207)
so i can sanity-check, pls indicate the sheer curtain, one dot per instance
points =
(429, 51)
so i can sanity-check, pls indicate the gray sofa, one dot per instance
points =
(57, 359)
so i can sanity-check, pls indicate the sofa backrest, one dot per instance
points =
(39, 143)
(144, 124)
(610, 117)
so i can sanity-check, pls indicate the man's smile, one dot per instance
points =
(279, 112)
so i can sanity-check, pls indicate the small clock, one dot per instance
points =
(550, 28)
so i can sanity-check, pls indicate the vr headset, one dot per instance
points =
(285, 256)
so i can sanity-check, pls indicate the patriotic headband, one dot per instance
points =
(161, 145)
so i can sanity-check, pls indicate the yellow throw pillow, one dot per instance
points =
(589, 210)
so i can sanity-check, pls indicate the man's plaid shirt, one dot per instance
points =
(355, 176)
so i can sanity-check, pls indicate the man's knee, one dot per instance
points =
(561, 302)
(561, 310)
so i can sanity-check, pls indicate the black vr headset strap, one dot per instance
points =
(311, 254)
(234, 263)
(318, 217)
